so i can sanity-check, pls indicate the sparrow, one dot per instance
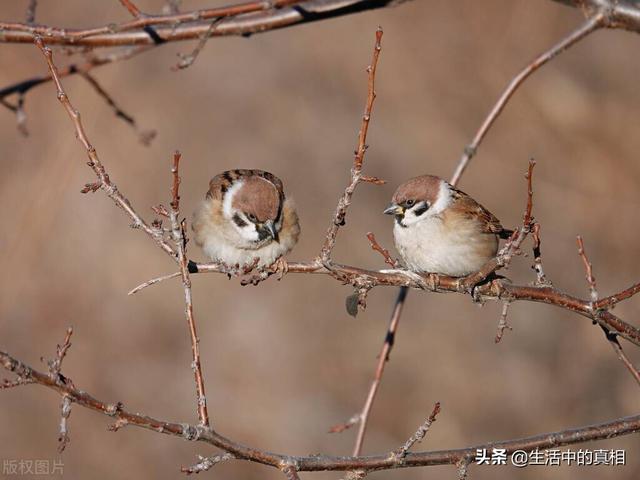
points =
(245, 220)
(439, 229)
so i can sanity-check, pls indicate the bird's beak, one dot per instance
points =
(271, 229)
(394, 209)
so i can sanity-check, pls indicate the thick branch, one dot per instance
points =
(601, 431)
(497, 289)
(242, 19)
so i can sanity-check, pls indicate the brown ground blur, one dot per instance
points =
(284, 361)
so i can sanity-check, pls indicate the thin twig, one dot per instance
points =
(145, 136)
(383, 357)
(611, 337)
(133, 10)
(94, 162)
(14, 383)
(356, 170)
(592, 24)
(381, 250)
(206, 463)
(153, 281)
(420, 433)
(612, 300)
(622, 356)
(187, 60)
(503, 324)
(588, 268)
(341, 427)
(92, 61)
(290, 472)
(55, 365)
(65, 411)
(541, 278)
(463, 467)
(180, 239)
(31, 12)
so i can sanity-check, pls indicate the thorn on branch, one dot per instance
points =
(527, 219)
(65, 411)
(622, 356)
(355, 475)
(503, 324)
(593, 289)
(15, 383)
(420, 433)
(187, 60)
(341, 427)
(383, 251)
(144, 136)
(463, 466)
(205, 463)
(175, 196)
(153, 281)
(119, 423)
(541, 279)
(61, 351)
(291, 472)
(374, 180)
(130, 6)
(160, 210)
(92, 187)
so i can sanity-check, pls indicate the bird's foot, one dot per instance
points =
(280, 267)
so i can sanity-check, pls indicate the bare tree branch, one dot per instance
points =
(356, 170)
(420, 433)
(363, 280)
(180, 239)
(383, 358)
(94, 162)
(593, 291)
(592, 24)
(131, 7)
(241, 19)
(600, 431)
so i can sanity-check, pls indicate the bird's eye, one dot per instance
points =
(410, 202)
(252, 217)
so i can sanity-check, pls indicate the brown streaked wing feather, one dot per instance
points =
(467, 205)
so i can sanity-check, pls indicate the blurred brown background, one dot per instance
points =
(283, 361)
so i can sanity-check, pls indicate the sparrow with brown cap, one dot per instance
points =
(439, 229)
(246, 220)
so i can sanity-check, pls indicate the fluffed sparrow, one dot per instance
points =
(439, 229)
(245, 217)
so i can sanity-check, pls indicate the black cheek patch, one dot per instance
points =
(399, 219)
(263, 234)
(239, 221)
(421, 209)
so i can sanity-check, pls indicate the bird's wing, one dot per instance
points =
(472, 209)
